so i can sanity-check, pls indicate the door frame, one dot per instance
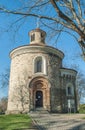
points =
(40, 84)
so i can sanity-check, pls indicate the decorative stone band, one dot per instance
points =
(69, 72)
(36, 49)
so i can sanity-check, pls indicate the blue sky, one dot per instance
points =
(12, 37)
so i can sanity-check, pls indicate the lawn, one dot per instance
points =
(82, 108)
(15, 122)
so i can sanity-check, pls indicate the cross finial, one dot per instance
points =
(38, 22)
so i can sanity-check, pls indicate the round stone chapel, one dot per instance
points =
(38, 80)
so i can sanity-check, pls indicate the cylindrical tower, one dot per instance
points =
(35, 76)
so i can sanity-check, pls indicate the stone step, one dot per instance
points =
(40, 110)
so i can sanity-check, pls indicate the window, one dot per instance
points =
(69, 90)
(38, 64)
(42, 35)
(32, 37)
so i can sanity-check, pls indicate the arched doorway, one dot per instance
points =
(39, 99)
(39, 93)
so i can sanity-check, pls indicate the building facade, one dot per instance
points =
(38, 79)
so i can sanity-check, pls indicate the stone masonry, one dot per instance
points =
(38, 79)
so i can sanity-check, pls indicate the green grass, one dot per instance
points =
(15, 122)
(82, 111)
(82, 108)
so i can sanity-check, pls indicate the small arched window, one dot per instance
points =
(32, 37)
(69, 90)
(38, 65)
(42, 35)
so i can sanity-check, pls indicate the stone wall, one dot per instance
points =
(68, 79)
(22, 74)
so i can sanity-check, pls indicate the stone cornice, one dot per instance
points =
(36, 49)
(65, 71)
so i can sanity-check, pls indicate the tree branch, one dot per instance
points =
(67, 19)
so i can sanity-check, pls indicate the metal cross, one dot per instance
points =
(38, 22)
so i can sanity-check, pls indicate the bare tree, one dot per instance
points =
(4, 78)
(81, 87)
(64, 15)
(3, 105)
(21, 96)
(80, 83)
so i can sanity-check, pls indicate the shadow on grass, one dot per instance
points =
(15, 126)
(15, 122)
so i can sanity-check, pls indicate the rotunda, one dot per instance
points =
(38, 80)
